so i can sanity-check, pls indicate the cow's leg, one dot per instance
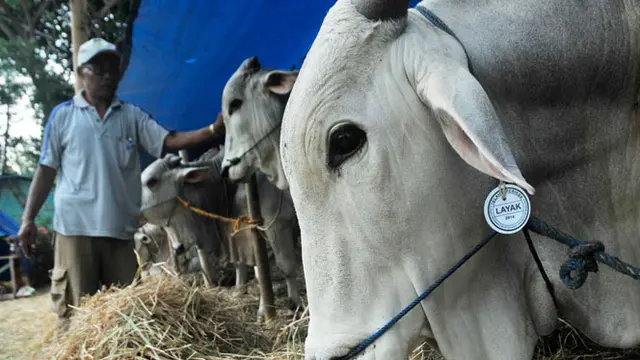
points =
(206, 266)
(261, 307)
(281, 241)
(241, 274)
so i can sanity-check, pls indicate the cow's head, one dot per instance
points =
(386, 143)
(253, 102)
(152, 245)
(167, 184)
(163, 181)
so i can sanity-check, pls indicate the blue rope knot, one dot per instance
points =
(582, 260)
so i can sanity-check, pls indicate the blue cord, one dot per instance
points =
(363, 345)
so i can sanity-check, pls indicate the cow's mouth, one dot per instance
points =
(236, 177)
(158, 212)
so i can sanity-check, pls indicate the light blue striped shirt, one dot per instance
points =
(98, 162)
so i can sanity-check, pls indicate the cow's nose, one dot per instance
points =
(225, 171)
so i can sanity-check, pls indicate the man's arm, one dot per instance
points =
(42, 181)
(50, 160)
(156, 140)
(187, 139)
(38, 191)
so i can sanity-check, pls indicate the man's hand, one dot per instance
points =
(218, 126)
(27, 237)
(38, 191)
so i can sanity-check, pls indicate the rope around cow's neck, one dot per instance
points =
(265, 228)
(583, 258)
(236, 222)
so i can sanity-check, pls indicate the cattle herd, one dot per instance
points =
(376, 158)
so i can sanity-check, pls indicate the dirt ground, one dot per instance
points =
(24, 323)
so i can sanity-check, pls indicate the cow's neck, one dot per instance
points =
(269, 164)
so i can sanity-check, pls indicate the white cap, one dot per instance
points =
(94, 47)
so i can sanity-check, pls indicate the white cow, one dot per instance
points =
(201, 184)
(253, 102)
(160, 246)
(152, 245)
(390, 145)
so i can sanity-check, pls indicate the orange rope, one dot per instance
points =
(236, 222)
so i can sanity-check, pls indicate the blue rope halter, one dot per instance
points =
(583, 256)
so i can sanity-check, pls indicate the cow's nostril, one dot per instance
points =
(225, 172)
(179, 250)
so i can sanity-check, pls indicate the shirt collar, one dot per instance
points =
(80, 101)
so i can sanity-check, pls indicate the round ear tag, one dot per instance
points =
(507, 209)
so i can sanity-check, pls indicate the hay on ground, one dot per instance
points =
(167, 317)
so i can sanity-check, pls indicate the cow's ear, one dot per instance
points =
(280, 82)
(469, 121)
(193, 175)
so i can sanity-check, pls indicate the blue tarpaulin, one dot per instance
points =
(13, 195)
(185, 51)
(8, 227)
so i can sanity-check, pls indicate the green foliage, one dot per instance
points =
(24, 153)
(35, 41)
(10, 91)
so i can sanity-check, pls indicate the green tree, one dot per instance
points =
(10, 91)
(35, 41)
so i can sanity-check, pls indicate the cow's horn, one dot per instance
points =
(382, 9)
(252, 63)
(172, 161)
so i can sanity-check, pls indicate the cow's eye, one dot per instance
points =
(234, 105)
(345, 140)
(152, 182)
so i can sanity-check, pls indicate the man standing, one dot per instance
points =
(93, 141)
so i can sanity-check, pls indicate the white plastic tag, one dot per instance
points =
(510, 214)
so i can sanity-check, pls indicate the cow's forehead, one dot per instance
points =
(342, 59)
(333, 80)
(234, 87)
(155, 169)
(241, 79)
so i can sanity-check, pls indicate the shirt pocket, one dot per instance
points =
(127, 151)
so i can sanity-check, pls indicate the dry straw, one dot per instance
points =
(167, 317)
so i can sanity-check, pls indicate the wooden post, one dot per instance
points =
(79, 34)
(5, 151)
(267, 307)
(12, 271)
(14, 284)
